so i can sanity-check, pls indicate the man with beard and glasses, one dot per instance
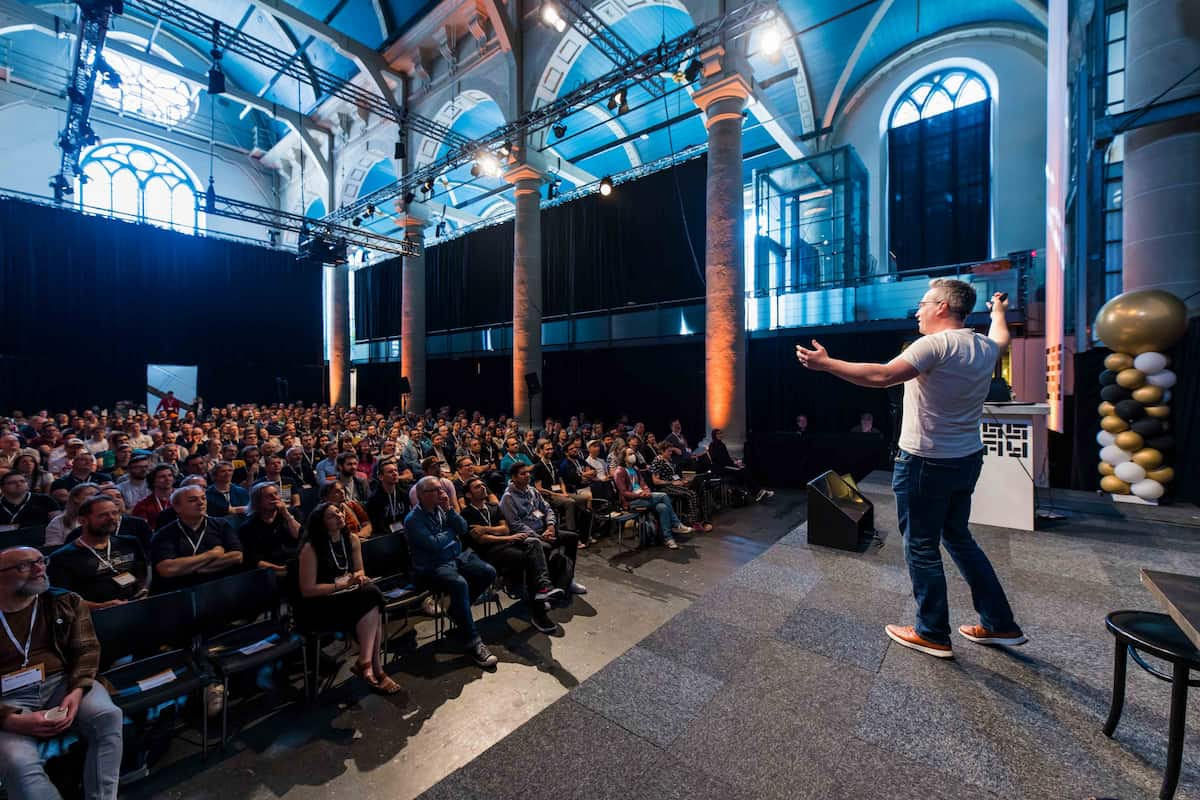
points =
(101, 567)
(49, 657)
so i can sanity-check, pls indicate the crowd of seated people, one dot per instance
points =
(134, 505)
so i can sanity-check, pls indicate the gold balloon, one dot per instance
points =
(1128, 440)
(1118, 361)
(1142, 321)
(1164, 475)
(1158, 412)
(1131, 378)
(1148, 395)
(1148, 458)
(1106, 409)
(1114, 485)
(1114, 424)
(1105, 468)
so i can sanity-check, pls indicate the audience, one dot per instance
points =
(634, 493)
(665, 477)
(83, 470)
(358, 521)
(61, 526)
(866, 424)
(102, 567)
(133, 484)
(548, 482)
(224, 496)
(270, 535)
(194, 547)
(20, 507)
(162, 482)
(733, 468)
(388, 505)
(526, 511)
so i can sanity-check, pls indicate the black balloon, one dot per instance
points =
(1147, 428)
(1108, 378)
(1161, 443)
(1129, 409)
(1115, 394)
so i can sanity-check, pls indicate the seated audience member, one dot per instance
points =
(133, 484)
(289, 490)
(430, 467)
(39, 480)
(270, 535)
(296, 469)
(525, 511)
(635, 494)
(162, 483)
(120, 461)
(51, 682)
(665, 477)
(224, 496)
(529, 445)
(10, 448)
(337, 595)
(616, 453)
(248, 474)
(20, 507)
(547, 480)
(649, 448)
(433, 530)
(358, 521)
(680, 452)
(61, 526)
(734, 469)
(465, 472)
(326, 469)
(61, 459)
(866, 424)
(514, 454)
(129, 526)
(168, 515)
(193, 464)
(577, 474)
(507, 551)
(83, 470)
(366, 458)
(635, 444)
(98, 565)
(355, 485)
(597, 460)
(194, 547)
(388, 505)
(801, 425)
(443, 453)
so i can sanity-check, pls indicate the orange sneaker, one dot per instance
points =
(907, 636)
(981, 635)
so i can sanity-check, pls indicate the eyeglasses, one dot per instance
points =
(930, 302)
(24, 567)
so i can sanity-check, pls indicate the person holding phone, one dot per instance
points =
(49, 657)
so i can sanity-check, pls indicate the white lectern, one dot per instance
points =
(1014, 461)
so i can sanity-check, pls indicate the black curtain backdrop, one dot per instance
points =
(89, 302)
(597, 253)
(938, 189)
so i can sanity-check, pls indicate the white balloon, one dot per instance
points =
(1104, 438)
(1163, 380)
(1114, 455)
(1147, 489)
(1129, 472)
(1150, 363)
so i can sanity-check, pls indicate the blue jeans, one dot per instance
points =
(661, 503)
(933, 501)
(465, 578)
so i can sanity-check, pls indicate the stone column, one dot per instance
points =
(721, 97)
(527, 290)
(339, 336)
(1161, 191)
(412, 313)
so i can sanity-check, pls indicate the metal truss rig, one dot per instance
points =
(645, 67)
(309, 230)
(77, 133)
(608, 41)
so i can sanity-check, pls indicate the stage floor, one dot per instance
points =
(779, 683)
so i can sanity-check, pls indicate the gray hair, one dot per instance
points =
(959, 296)
(182, 490)
(426, 482)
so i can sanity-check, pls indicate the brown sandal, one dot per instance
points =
(387, 686)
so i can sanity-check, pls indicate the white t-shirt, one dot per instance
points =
(943, 404)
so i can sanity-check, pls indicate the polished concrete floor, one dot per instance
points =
(352, 743)
(779, 683)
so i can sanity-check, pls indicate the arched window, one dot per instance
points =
(145, 90)
(139, 182)
(939, 171)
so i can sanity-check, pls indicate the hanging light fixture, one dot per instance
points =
(552, 17)
(618, 102)
(216, 76)
(560, 130)
(606, 186)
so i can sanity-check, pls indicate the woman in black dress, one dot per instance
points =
(336, 593)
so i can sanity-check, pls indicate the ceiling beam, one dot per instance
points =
(852, 61)
(549, 162)
(434, 212)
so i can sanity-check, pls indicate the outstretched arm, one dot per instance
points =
(998, 332)
(877, 376)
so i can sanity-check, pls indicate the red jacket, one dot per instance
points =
(625, 485)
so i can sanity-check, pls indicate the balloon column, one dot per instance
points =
(1135, 428)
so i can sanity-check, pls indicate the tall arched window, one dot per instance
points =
(140, 182)
(939, 171)
(145, 90)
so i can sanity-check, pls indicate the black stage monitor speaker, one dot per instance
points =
(405, 386)
(533, 384)
(838, 515)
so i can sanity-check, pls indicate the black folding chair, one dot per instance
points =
(313, 636)
(385, 558)
(156, 634)
(29, 536)
(241, 628)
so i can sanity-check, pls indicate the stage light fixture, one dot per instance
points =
(216, 78)
(606, 186)
(475, 170)
(505, 148)
(771, 41)
(401, 150)
(618, 102)
(440, 230)
(488, 165)
(409, 196)
(370, 209)
(692, 72)
(560, 130)
(427, 186)
(210, 197)
(551, 17)
(356, 221)
(552, 191)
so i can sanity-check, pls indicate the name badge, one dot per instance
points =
(124, 579)
(538, 515)
(29, 676)
(286, 494)
(397, 526)
(7, 528)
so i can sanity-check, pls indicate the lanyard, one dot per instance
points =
(28, 639)
(99, 557)
(393, 507)
(440, 515)
(344, 564)
(553, 472)
(195, 544)
(12, 515)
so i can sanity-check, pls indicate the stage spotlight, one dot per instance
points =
(488, 165)
(370, 209)
(618, 102)
(440, 230)
(771, 41)
(210, 197)
(216, 79)
(400, 152)
(692, 72)
(409, 196)
(606, 187)
(505, 148)
(560, 130)
(551, 17)
(475, 170)
(428, 186)
(356, 221)
(552, 190)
